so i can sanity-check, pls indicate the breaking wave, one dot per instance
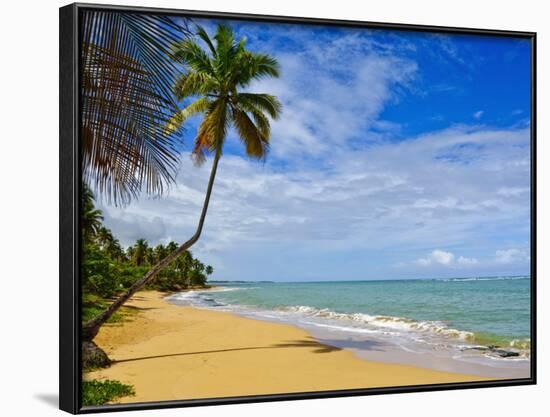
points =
(386, 322)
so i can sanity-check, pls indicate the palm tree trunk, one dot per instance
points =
(91, 328)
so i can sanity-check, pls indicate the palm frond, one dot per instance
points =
(194, 83)
(200, 105)
(262, 124)
(262, 102)
(202, 144)
(189, 52)
(126, 101)
(212, 131)
(225, 41)
(256, 145)
(201, 33)
(217, 122)
(255, 66)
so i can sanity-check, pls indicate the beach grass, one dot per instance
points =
(96, 392)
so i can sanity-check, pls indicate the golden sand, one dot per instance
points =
(169, 352)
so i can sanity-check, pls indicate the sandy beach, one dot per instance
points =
(170, 352)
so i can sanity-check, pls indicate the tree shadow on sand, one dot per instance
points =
(314, 345)
(133, 307)
(371, 345)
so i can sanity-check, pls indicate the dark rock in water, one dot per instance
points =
(495, 350)
(505, 353)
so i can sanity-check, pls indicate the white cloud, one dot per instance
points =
(445, 258)
(329, 102)
(437, 256)
(424, 261)
(467, 261)
(478, 114)
(508, 256)
(442, 257)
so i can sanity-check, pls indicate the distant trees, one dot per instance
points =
(184, 272)
(108, 269)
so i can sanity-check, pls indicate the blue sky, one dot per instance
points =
(398, 155)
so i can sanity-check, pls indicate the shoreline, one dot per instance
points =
(471, 358)
(170, 352)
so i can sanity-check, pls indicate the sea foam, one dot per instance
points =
(386, 322)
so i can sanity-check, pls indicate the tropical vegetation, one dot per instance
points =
(109, 269)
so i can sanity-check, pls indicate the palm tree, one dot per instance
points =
(171, 246)
(150, 258)
(110, 244)
(126, 101)
(140, 252)
(159, 252)
(114, 249)
(104, 237)
(90, 219)
(209, 270)
(215, 78)
(184, 262)
(130, 253)
(198, 266)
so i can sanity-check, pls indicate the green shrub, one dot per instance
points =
(128, 274)
(100, 392)
(99, 272)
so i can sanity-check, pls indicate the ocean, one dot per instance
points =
(470, 325)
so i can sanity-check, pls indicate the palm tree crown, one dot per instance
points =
(215, 78)
(126, 101)
(140, 252)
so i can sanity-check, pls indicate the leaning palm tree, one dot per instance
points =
(126, 101)
(215, 80)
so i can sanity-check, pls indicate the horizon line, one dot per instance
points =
(375, 279)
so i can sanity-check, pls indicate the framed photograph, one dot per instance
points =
(261, 208)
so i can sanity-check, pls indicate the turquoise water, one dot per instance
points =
(492, 310)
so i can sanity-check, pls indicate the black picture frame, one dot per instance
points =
(70, 371)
